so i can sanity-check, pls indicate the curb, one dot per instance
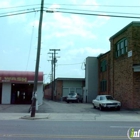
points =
(33, 118)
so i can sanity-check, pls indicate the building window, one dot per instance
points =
(121, 47)
(103, 86)
(103, 66)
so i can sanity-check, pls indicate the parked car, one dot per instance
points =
(74, 97)
(106, 101)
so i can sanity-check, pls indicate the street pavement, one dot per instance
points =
(61, 111)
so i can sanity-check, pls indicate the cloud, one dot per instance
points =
(86, 50)
(4, 4)
(54, 7)
(68, 26)
(16, 18)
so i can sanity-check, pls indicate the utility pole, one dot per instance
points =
(54, 61)
(33, 109)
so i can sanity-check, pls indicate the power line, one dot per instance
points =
(72, 5)
(30, 44)
(69, 64)
(89, 14)
(13, 7)
(16, 14)
(69, 10)
(10, 12)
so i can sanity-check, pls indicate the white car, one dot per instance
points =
(74, 97)
(106, 101)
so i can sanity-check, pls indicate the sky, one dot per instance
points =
(77, 36)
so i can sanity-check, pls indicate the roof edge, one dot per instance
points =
(133, 23)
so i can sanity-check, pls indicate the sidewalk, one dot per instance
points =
(70, 117)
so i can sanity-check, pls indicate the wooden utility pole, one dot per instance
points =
(54, 62)
(33, 109)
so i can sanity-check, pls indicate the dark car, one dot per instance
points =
(74, 97)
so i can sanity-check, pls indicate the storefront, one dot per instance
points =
(16, 87)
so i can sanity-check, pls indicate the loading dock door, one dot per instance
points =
(65, 92)
(79, 90)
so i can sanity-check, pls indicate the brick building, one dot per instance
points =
(104, 73)
(119, 69)
(63, 86)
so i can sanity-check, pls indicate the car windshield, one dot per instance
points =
(71, 94)
(102, 98)
(109, 98)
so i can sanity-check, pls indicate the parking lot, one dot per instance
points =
(68, 111)
(49, 106)
(63, 107)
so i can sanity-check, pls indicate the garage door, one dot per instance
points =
(65, 91)
(79, 90)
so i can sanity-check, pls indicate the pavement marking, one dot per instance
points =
(64, 136)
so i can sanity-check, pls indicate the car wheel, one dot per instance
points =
(77, 100)
(94, 106)
(67, 101)
(100, 108)
(118, 108)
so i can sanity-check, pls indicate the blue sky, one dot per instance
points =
(77, 36)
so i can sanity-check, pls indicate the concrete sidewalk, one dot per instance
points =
(70, 117)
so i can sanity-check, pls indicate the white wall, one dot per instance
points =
(6, 93)
(40, 93)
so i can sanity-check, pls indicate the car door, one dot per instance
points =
(96, 101)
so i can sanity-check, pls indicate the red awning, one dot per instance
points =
(19, 76)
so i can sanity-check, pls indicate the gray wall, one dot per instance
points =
(91, 78)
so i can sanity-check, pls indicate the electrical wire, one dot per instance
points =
(70, 11)
(74, 5)
(35, 9)
(67, 9)
(16, 14)
(3, 8)
(69, 64)
(90, 14)
(30, 43)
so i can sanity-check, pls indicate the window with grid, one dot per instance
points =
(103, 65)
(121, 47)
(103, 86)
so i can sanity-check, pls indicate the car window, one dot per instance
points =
(97, 98)
(102, 98)
(109, 98)
(71, 94)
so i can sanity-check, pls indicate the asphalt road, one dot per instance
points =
(64, 130)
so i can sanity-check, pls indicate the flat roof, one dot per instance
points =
(133, 23)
